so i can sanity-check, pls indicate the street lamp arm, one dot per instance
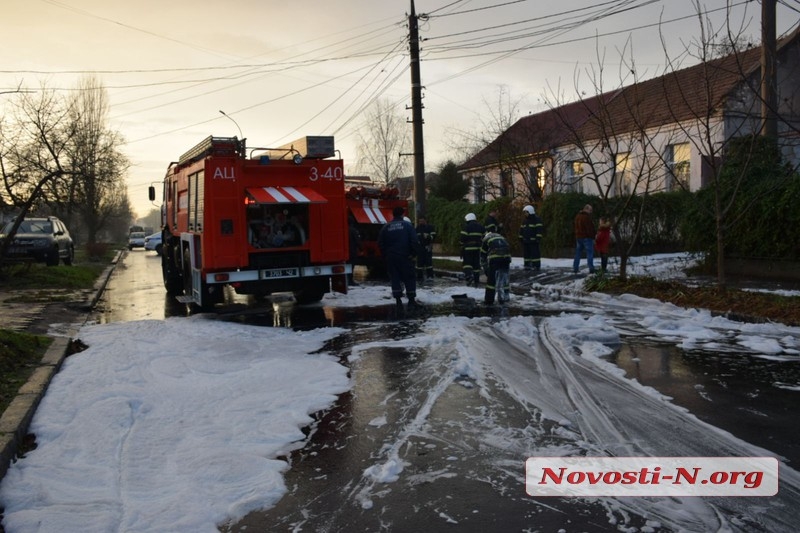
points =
(224, 114)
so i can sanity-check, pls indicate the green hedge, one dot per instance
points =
(762, 222)
(670, 221)
(763, 215)
(660, 227)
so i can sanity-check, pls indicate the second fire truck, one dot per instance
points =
(371, 208)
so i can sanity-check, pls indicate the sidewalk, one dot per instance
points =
(16, 419)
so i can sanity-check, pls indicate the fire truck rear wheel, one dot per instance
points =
(171, 274)
(309, 295)
(212, 295)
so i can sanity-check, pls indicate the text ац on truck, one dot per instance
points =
(260, 220)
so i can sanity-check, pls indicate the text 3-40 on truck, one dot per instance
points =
(260, 220)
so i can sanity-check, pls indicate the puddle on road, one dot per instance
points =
(463, 461)
(734, 392)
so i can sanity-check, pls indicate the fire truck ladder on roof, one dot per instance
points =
(217, 146)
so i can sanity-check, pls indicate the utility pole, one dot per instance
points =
(416, 116)
(769, 77)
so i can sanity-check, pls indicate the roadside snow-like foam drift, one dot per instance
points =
(133, 437)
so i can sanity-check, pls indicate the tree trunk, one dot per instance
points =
(720, 230)
(623, 266)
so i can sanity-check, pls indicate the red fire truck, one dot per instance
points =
(372, 207)
(259, 220)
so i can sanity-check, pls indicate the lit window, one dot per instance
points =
(574, 176)
(678, 166)
(479, 189)
(506, 183)
(623, 174)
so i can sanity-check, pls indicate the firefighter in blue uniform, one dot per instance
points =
(399, 246)
(530, 233)
(471, 237)
(426, 234)
(495, 260)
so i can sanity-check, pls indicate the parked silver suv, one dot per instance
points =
(45, 240)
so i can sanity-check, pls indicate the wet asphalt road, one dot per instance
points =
(455, 480)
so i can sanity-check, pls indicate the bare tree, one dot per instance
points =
(383, 140)
(611, 143)
(727, 116)
(95, 189)
(498, 139)
(33, 150)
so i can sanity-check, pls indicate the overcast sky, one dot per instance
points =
(282, 70)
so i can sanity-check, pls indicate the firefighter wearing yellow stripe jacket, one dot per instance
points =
(530, 233)
(495, 260)
(471, 237)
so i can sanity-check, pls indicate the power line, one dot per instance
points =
(512, 51)
(253, 106)
(535, 19)
(128, 26)
(540, 29)
(785, 4)
(342, 94)
(445, 7)
(430, 15)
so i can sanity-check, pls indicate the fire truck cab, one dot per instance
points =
(259, 220)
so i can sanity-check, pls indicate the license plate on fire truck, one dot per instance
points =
(280, 273)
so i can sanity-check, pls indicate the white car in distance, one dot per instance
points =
(153, 242)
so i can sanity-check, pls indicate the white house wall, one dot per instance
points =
(742, 117)
(659, 139)
(695, 133)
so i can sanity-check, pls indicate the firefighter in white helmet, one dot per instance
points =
(471, 236)
(530, 235)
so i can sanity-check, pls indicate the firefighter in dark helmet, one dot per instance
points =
(399, 246)
(495, 260)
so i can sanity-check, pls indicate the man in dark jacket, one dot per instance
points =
(495, 260)
(471, 237)
(426, 233)
(530, 233)
(584, 238)
(399, 246)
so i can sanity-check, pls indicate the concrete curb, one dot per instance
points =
(102, 281)
(16, 419)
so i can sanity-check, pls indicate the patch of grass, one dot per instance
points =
(42, 296)
(20, 353)
(40, 276)
(747, 305)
